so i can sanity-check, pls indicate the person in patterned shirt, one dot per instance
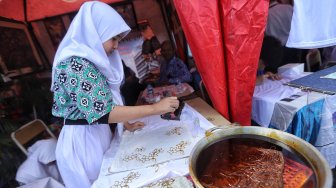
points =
(173, 70)
(86, 77)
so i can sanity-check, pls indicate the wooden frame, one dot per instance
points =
(56, 29)
(18, 54)
(126, 11)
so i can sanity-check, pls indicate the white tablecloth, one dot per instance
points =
(142, 174)
(284, 111)
(267, 94)
(267, 108)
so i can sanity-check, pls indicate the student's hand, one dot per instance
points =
(168, 104)
(272, 76)
(134, 126)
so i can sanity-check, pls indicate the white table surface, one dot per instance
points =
(142, 176)
(267, 94)
(267, 108)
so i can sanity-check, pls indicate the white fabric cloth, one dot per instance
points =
(149, 147)
(79, 153)
(279, 21)
(313, 24)
(40, 163)
(143, 176)
(268, 109)
(326, 140)
(266, 95)
(44, 183)
(290, 70)
(44, 150)
(284, 112)
(137, 150)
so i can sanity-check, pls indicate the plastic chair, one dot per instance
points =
(313, 60)
(28, 132)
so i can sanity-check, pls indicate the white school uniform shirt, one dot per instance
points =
(313, 24)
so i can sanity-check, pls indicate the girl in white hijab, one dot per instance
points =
(87, 74)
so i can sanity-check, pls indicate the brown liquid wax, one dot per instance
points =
(247, 162)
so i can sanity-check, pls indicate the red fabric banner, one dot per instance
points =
(238, 38)
(243, 24)
(39, 9)
(201, 25)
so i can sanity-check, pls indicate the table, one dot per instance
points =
(138, 177)
(309, 115)
(196, 102)
(207, 111)
(266, 95)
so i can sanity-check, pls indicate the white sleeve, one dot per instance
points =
(313, 24)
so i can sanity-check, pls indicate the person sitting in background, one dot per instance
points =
(279, 21)
(151, 46)
(151, 50)
(173, 70)
(278, 25)
(270, 59)
(131, 87)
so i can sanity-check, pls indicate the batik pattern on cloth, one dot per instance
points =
(164, 183)
(80, 91)
(169, 140)
(176, 166)
(158, 176)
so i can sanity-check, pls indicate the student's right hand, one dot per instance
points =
(168, 104)
(272, 76)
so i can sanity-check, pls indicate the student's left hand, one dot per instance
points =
(134, 126)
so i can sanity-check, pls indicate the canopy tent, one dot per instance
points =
(30, 10)
(225, 38)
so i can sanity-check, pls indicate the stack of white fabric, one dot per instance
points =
(160, 150)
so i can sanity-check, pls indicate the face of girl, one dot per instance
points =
(111, 44)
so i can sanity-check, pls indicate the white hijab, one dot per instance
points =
(94, 24)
